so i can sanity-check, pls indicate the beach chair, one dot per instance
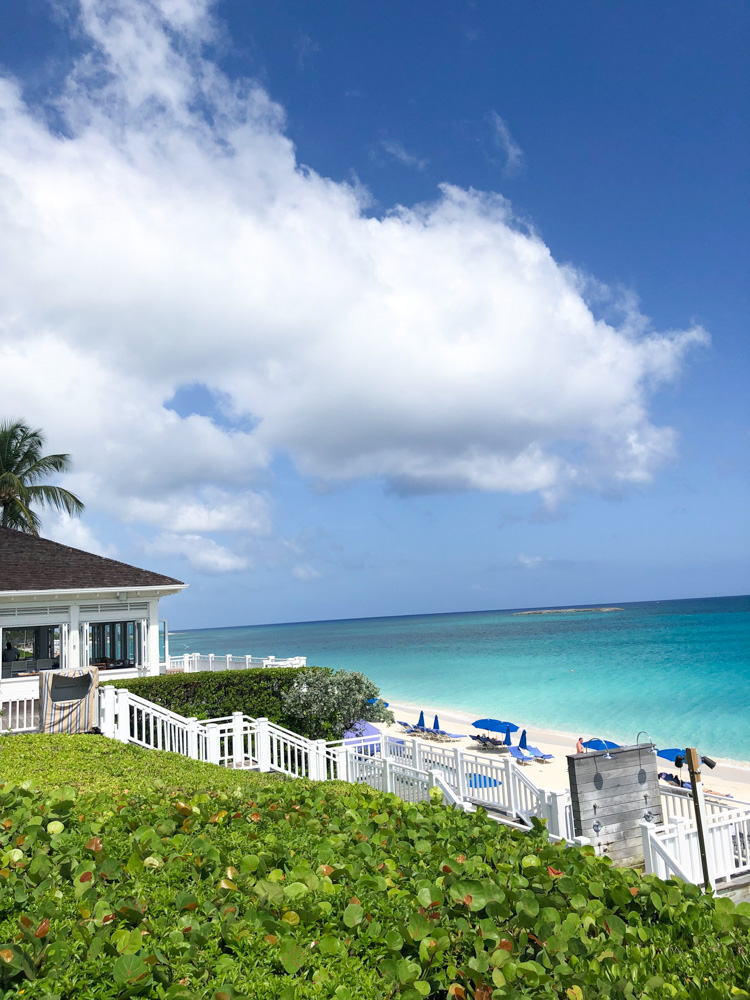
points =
(518, 755)
(536, 753)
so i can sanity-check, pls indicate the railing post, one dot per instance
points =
(416, 753)
(320, 754)
(263, 744)
(387, 775)
(229, 662)
(238, 739)
(510, 784)
(123, 714)
(186, 663)
(648, 856)
(683, 856)
(192, 738)
(248, 661)
(107, 709)
(213, 749)
(460, 775)
(342, 764)
(555, 802)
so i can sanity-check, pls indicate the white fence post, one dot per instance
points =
(510, 784)
(555, 802)
(416, 754)
(648, 856)
(123, 715)
(461, 782)
(342, 764)
(238, 739)
(248, 661)
(263, 743)
(387, 775)
(213, 750)
(192, 738)
(229, 661)
(319, 751)
(107, 709)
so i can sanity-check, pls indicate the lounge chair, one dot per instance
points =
(482, 781)
(518, 754)
(536, 753)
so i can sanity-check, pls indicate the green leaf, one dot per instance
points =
(129, 969)
(353, 915)
(292, 956)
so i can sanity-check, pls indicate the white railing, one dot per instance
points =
(20, 715)
(405, 767)
(674, 849)
(677, 803)
(193, 663)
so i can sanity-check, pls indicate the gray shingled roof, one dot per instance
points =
(29, 563)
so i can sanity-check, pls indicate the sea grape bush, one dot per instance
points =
(305, 891)
(315, 702)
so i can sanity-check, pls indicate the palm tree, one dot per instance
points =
(22, 467)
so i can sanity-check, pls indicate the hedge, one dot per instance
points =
(305, 891)
(256, 692)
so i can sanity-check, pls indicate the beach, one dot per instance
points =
(727, 778)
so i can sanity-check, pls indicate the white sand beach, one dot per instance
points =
(727, 778)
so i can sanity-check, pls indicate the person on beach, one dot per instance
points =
(579, 745)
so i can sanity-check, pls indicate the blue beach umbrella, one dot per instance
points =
(506, 741)
(670, 754)
(494, 725)
(597, 744)
(522, 741)
(420, 722)
(436, 724)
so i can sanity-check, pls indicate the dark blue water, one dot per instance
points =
(680, 670)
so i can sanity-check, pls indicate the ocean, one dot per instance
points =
(678, 670)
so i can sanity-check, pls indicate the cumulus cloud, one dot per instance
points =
(306, 573)
(202, 553)
(160, 232)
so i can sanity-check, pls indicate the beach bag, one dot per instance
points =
(69, 700)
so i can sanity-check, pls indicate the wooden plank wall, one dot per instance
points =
(619, 793)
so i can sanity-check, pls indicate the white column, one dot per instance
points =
(263, 745)
(73, 657)
(510, 784)
(85, 654)
(461, 790)
(152, 638)
(320, 752)
(387, 775)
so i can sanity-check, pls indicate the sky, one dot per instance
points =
(351, 310)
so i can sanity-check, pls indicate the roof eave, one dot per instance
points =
(164, 588)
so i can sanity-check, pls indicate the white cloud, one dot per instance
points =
(67, 530)
(398, 152)
(167, 236)
(531, 562)
(202, 553)
(505, 143)
(306, 573)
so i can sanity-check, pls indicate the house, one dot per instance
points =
(62, 607)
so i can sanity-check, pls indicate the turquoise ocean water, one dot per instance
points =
(680, 670)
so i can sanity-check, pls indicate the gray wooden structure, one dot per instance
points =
(612, 791)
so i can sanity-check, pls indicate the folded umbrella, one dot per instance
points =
(420, 721)
(522, 741)
(506, 741)
(436, 724)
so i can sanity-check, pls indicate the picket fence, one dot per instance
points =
(409, 768)
(672, 848)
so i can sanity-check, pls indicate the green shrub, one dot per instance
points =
(277, 694)
(301, 890)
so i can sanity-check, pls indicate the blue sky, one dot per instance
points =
(526, 388)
